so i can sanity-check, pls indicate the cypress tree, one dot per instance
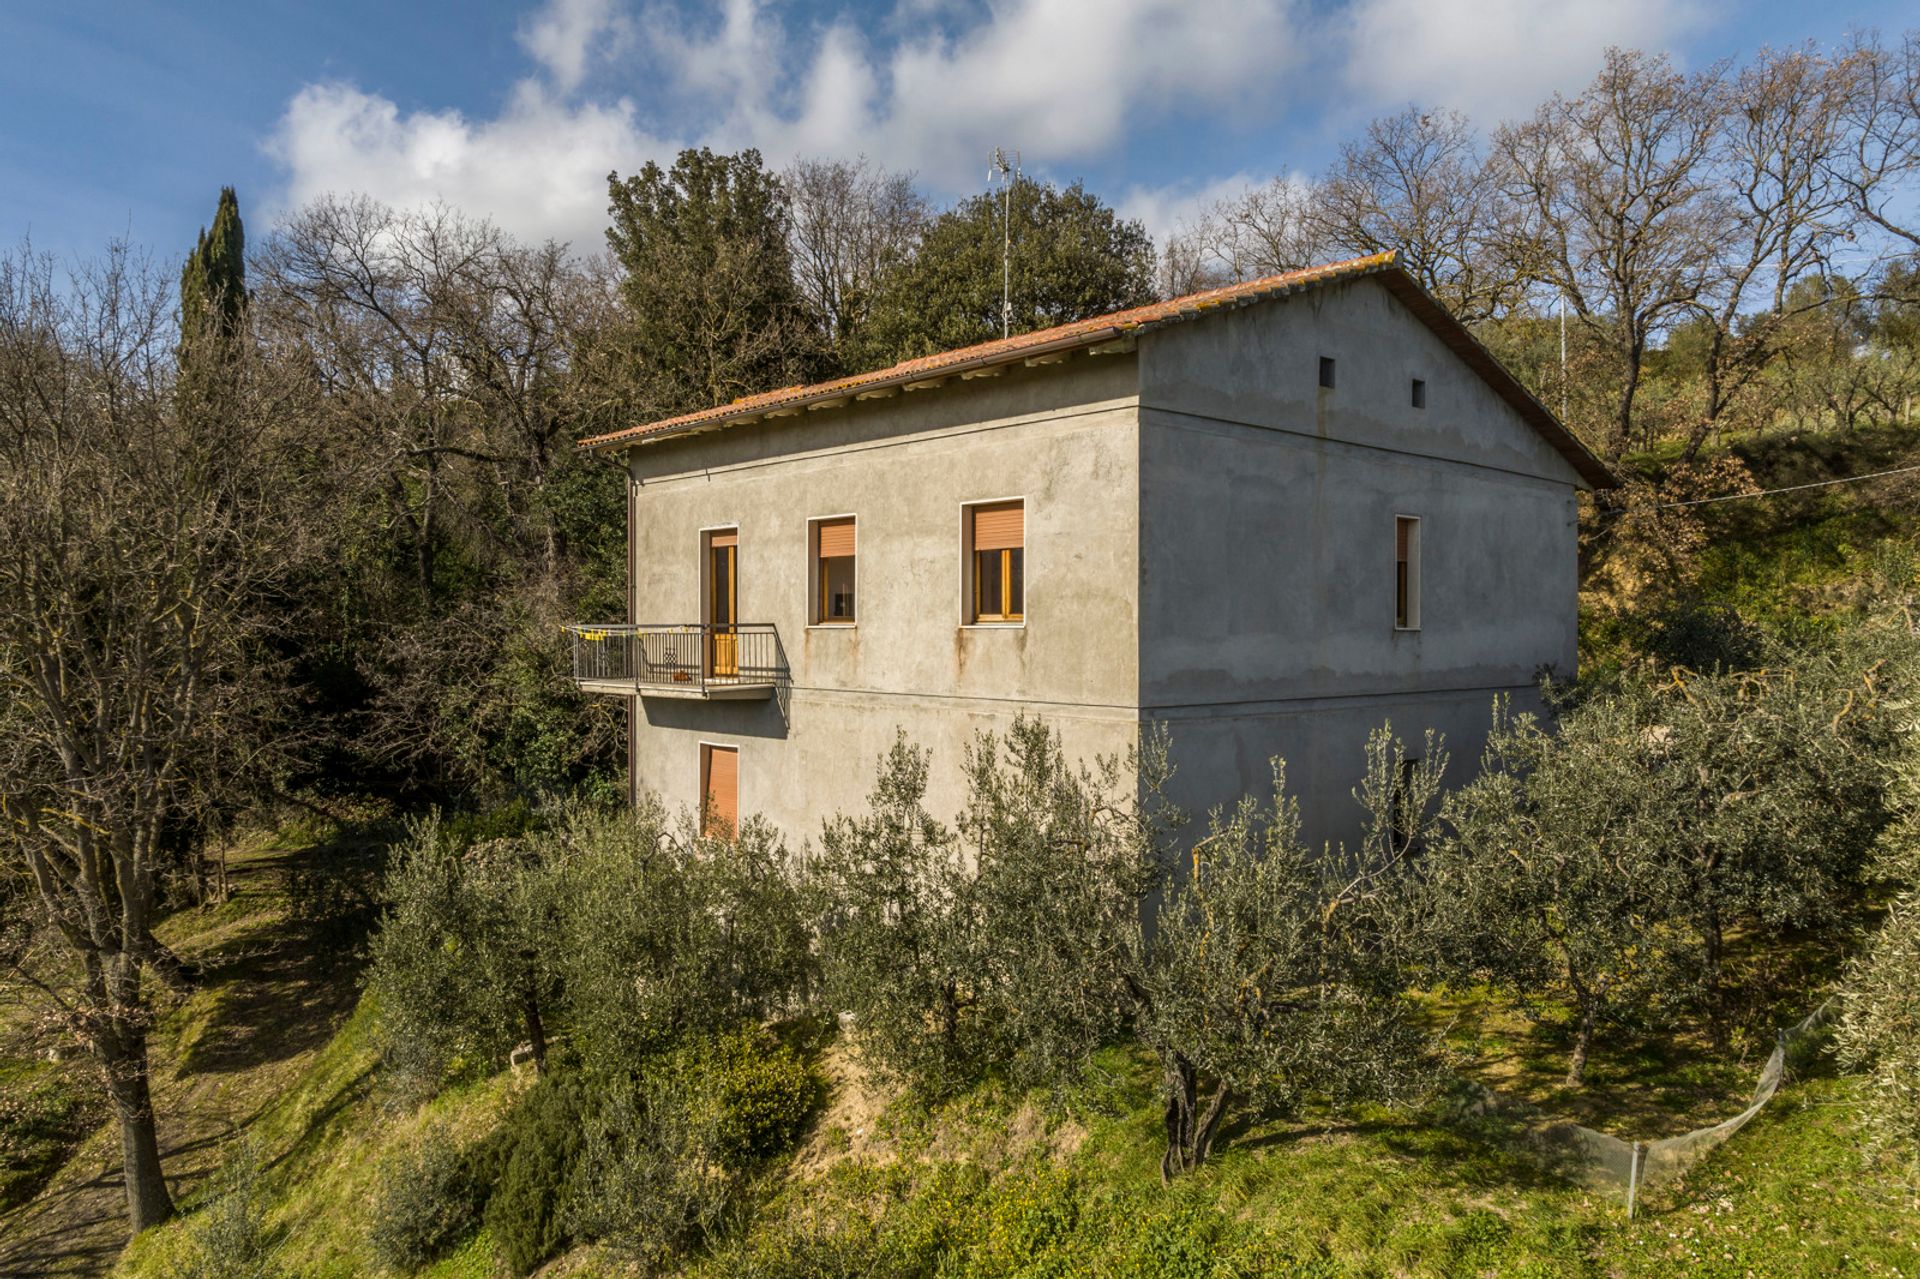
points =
(213, 283)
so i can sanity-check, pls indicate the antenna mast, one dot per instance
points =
(1008, 175)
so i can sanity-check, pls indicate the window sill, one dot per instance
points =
(1406, 630)
(994, 626)
(832, 626)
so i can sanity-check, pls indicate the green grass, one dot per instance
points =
(45, 1112)
(1365, 1194)
(322, 1143)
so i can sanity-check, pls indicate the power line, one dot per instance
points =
(1790, 488)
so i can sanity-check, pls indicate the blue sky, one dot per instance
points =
(124, 119)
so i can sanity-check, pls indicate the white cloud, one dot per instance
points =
(933, 86)
(1498, 59)
(565, 36)
(538, 169)
(1062, 80)
(1167, 209)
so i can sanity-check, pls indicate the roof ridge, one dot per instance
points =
(1129, 319)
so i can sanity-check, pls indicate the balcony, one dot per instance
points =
(695, 660)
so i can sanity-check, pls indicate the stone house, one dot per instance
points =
(1269, 516)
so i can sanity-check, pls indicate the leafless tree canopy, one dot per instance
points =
(852, 222)
(144, 543)
(1686, 215)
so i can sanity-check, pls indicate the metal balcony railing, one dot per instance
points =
(689, 659)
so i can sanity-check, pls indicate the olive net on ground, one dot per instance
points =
(1606, 1162)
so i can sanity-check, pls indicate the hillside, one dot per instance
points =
(270, 1071)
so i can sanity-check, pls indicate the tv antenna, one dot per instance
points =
(1007, 174)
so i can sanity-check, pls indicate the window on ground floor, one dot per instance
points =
(719, 791)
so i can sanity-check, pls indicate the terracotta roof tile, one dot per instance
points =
(1118, 324)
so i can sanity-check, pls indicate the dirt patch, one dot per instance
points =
(849, 1126)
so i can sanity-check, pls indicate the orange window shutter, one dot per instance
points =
(725, 537)
(722, 784)
(836, 538)
(999, 528)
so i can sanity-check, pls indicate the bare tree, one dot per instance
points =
(144, 536)
(1882, 160)
(358, 289)
(1618, 209)
(1417, 183)
(459, 366)
(1782, 213)
(1262, 231)
(850, 223)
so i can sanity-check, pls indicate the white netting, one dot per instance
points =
(1606, 1162)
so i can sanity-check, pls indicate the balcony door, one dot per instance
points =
(722, 606)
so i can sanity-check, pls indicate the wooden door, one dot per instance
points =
(723, 597)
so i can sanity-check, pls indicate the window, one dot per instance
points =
(1326, 372)
(996, 543)
(719, 791)
(1419, 394)
(1406, 573)
(833, 575)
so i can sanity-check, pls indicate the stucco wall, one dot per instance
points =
(1209, 545)
(1064, 439)
(1268, 509)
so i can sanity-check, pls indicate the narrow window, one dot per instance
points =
(833, 572)
(1419, 394)
(996, 540)
(1326, 372)
(719, 791)
(1406, 573)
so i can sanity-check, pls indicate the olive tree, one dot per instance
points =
(1773, 785)
(1030, 942)
(1552, 884)
(1273, 971)
(662, 934)
(461, 970)
(899, 929)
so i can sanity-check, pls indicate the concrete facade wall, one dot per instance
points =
(1267, 564)
(1065, 439)
(1209, 546)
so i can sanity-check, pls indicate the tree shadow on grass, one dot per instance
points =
(284, 987)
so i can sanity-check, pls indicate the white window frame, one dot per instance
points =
(812, 601)
(1413, 573)
(967, 622)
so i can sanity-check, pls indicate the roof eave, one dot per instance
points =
(859, 385)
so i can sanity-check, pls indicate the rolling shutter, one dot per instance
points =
(725, 537)
(836, 538)
(720, 787)
(1400, 527)
(999, 528)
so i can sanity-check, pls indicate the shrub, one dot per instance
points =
(762, 1093)
(537, 1154)
(427, 1200)
(228, 1237)
(667, 1154)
